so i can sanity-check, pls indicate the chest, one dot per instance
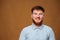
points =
(37, 35)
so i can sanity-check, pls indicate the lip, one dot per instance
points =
(37, 18)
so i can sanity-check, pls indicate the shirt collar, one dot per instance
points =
(35, 27)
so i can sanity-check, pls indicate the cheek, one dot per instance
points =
(33, 16)
(41, 16)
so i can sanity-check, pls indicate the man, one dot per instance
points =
(37, 31)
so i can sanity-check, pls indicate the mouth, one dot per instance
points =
(38, 18)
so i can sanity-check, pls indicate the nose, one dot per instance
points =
(38, 15)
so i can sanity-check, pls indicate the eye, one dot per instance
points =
(35, 13)
(40, 13)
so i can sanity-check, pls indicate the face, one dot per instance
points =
(37, 16)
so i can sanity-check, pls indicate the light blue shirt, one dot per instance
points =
(33, 32)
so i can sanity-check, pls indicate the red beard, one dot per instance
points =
(38, 24)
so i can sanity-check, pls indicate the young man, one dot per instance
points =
(37, 31)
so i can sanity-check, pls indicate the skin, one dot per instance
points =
(37, 17)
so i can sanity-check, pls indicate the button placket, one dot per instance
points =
(37, 34)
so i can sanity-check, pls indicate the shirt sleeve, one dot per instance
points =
(22, 35)
(51, 35)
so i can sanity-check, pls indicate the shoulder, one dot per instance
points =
(25, 29)
(48, 28)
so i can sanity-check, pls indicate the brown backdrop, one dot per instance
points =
(15, 15)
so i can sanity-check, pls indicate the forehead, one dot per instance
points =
(37, 11)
